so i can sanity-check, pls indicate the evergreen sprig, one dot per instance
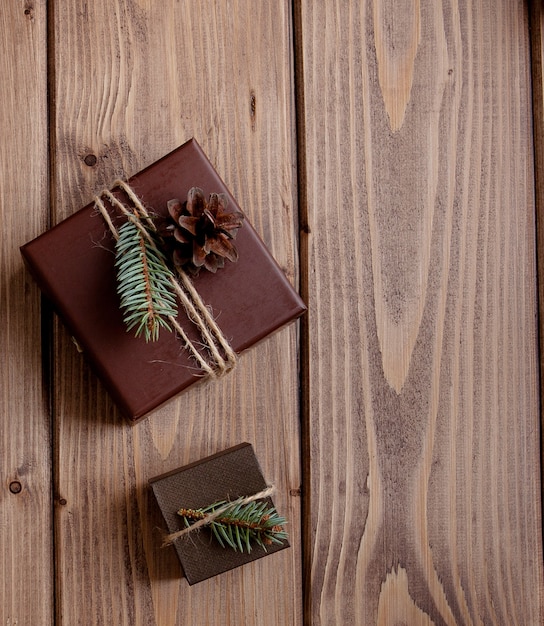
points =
(143, 282)
(242, 524)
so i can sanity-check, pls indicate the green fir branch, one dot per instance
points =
(144, 282)
(242, 524)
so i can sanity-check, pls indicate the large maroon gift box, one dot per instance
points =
(73, 264)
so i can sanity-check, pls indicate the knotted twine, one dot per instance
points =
(210, 517)
(194, 306)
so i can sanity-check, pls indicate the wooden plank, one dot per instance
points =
(133, 81)
(423, 371)
(26, 567)
(537, 75)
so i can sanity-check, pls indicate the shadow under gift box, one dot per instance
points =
(73, 264)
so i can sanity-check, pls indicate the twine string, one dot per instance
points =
(210, 517)
(194, 306)
(198, 312)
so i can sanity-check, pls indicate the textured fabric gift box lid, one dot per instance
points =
(73, 263)
(228, 475)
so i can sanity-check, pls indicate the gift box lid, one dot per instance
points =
(73, 264)
(227, 475)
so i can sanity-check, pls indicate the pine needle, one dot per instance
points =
(144, 283)
(241, 525)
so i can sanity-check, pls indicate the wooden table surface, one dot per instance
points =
(384, 151)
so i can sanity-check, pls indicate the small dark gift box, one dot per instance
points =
(73, 264)
(228, 475)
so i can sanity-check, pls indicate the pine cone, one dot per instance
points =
(200, 234)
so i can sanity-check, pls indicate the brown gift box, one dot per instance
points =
(227, 475)
(73, 264)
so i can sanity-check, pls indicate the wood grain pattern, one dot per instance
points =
(133, 81)
(423, 371)
(420, 362)
(25, 457)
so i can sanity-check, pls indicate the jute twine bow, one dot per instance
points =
(223, 358)
(209, 518)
